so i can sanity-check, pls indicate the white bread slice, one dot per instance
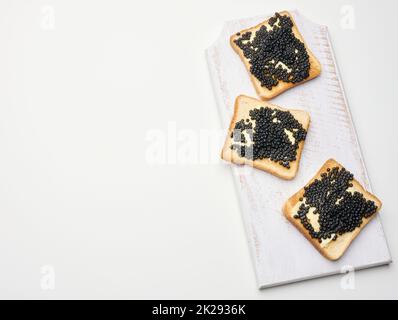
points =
(330, 249)
(243, 104)
(263, 92)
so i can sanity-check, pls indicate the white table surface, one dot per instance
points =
(83, 83)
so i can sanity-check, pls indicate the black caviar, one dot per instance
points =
(267, 131)
(270, 48)
(339, 211)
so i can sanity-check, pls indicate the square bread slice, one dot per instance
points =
(243, 106)
(349, 214)
(291, 52)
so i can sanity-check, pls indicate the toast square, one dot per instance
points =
(266, 136)
(275, 55)
(331, 210)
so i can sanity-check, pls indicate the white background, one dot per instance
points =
(83, 84)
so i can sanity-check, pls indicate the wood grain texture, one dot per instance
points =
(280, 253)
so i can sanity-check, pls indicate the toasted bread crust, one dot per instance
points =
(243, 104)
(264, 93)
(336, 248)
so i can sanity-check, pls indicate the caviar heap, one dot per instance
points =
(276, 54)
(339, 210)
(266, 135)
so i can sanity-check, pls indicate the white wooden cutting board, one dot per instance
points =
(280, 253)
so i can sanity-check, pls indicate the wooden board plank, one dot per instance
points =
(280, 253)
